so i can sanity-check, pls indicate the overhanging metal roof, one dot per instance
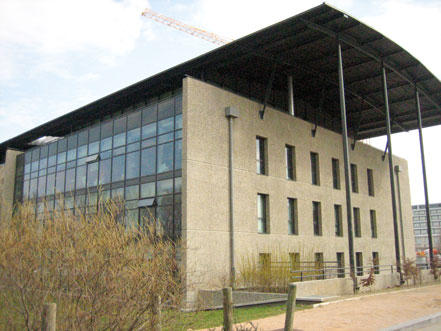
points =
(304, 46)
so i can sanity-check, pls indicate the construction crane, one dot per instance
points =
(211, 37)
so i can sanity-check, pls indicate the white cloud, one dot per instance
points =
(56, 26)
(234, 19)
(414, 26)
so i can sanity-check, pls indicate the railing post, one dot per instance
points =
(156, 318)
(48, 318)
(290, 307)
(301, 276)
(228, 308)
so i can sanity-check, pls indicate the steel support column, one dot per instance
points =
(423, 164)
(391, 174)
(344, 133)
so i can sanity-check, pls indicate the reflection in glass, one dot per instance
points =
(70, 180)
(149, 131)
(148, 161)
(119, 140)
(148, 190)
(92, 174)
(81, 177)
(165, 125)
(178, 154)
(165, 186)
(42, 186)
(106, 144)
(132, 192)
(59, 186)
(72, 154)
(94, 147)
(82, 151)
(133, 135)
(118, 164)
(50, 185)
(105, 170)
(132, 165)
(165, 157)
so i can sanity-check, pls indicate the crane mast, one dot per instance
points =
(211, 37)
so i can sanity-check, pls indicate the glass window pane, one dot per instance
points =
(92, 174)
(149, 131)
(70, 180)
(105, 171)
(50, 185)
(94, 134)
(133, 147)
(33, 188)
(42, 172)
(132, 165)
(132, 192)
(44, 151)
(118, 193)
(166, 109)
(72, 154)
(94, 148)
(42, 186)
(134, 120)
(53, 148)
(28, 157)
(61, 158)
(82, 151)
(51, 161)
(148, 161)
(81, 177)
(178, 122)
(165, 138)
(36, 154)
(119, 151)
(51, 170)
(165, 186)
(119, 125)
(178, 104)
(178, 154)
(34, 166)
(62, 145)
(119, 140)
(61, 167)
(25, 189)
(106, 144)
(72, 141)
(83, 138)
(165, 157)
(106, 155)
(149, 114)
(133, 135)
(165, 125)
(27, 168)
(178, 185)
(107, 129)
(43, 163)
(165, 216)
(148, 190)
(148, 142)
(118, 164)
(59, 186)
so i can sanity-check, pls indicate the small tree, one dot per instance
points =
(410, 270)
(435, 266)
(370, 280)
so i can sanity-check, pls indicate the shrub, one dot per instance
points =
(101, 274)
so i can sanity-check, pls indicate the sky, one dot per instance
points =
(58, 55)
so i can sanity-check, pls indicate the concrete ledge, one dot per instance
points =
(416, 324)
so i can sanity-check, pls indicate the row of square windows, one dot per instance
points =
(292, 217)
(290, 158)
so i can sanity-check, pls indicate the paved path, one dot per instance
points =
(368, 312)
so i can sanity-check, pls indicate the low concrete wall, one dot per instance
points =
(212, 299)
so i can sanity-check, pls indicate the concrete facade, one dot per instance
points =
(7, 182)
(205, 216)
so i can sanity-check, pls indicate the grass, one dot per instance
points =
(213, 318)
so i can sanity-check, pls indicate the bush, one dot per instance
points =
(101, 274)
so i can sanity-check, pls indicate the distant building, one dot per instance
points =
(420, 226)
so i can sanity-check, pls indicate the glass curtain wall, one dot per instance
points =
(136, 157)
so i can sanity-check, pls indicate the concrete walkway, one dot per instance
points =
(366, 312)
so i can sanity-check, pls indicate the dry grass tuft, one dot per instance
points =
(101, 274)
